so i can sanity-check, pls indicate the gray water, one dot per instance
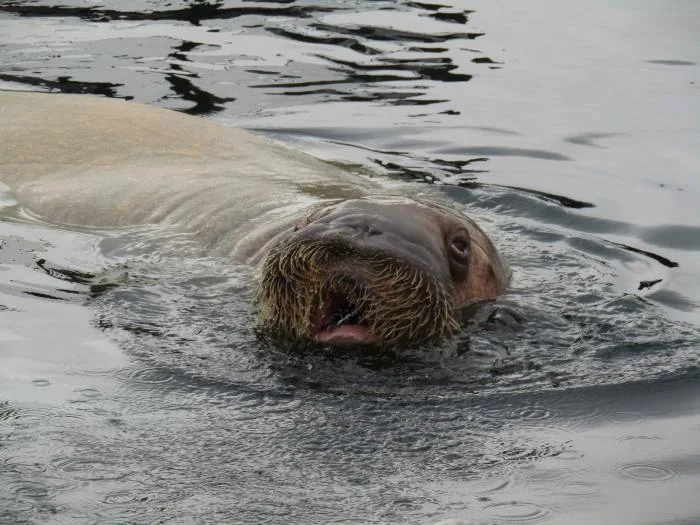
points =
(133, 388)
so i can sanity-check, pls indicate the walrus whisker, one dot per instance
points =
(300, 280)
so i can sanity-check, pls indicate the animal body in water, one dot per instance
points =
(340, 261)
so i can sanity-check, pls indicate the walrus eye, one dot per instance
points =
(459, 247)
(458, 250)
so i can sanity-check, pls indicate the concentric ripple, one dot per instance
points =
(627, 418)
(89, 469)
(145, 375)
(519, 511)
(580, 488)
(41, 492)
(646, 472)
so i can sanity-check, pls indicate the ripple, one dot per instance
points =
(16, 506)
(261, 414)
(531, 413)
(46, 414)
(639, 438)
(15, 464)
(259, 425)
(38, 491)
(41, 382)
(89, 393)
(123, 497)
(504, 151)
(7, 411)
(645, 444)
(31, 490)
(80, 404)
(519, 511)
(37, 413)
(86, 399)
(627, 418)
(492, 485)
(580, 488)
(580, 411)
(520, 453)
(132, 511)
(150, 376)
(89, 469)
(140, 494)
(549, 476)
(646, 472)
(521, 414)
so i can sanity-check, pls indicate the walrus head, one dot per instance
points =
(382, 272)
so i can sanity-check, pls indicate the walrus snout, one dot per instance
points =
(359, 225)
(367, 232)
(333, 291)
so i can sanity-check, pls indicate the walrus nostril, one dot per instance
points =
(370, 230)
(364, 228)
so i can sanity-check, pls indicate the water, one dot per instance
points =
(569, 131)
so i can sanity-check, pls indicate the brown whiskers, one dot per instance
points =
(398, 302)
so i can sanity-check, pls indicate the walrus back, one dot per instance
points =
(44, 134)
(90, 161)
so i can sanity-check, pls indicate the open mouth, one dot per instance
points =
(340, 320)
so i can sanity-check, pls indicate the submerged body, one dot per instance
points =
(340, 261)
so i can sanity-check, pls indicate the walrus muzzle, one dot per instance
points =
(330, 290)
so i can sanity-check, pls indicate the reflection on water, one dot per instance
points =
(340, 53)
(569, 132)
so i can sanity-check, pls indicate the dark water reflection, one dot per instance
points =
(570, 132)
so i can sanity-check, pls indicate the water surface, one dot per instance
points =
(133, 388)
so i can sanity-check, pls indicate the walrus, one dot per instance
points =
(339, 259)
